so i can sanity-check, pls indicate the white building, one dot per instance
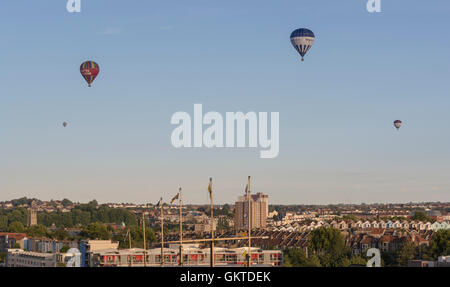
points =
(89, 246)
(192, 256)
(20, 258)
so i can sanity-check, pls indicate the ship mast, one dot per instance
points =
(212, 223)
(249, 260)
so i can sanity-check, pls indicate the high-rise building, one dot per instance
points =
(259, 209)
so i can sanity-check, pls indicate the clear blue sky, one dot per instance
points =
(337, 142)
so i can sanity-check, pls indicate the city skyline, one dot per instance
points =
(190, 204)
(337, 141)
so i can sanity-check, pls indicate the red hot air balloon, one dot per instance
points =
(89, 70)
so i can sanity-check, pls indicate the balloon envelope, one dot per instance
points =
(64, 124)
(302, 39)
(89, 70)
(397, 124)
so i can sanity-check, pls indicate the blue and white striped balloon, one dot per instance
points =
(302, 39)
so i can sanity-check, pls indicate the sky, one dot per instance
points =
(337, 140)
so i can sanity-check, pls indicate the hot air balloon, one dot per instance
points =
(64, 124)
(89, 70)
(302, 39)
(397, 124)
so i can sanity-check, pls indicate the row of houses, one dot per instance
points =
(343, 225)
(359, 241)
(386, 240)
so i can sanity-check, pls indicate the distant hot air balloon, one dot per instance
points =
(64, 124)
(89, 70)
(397, 124)
(302, 39)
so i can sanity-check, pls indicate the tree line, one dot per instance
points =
(80, 215)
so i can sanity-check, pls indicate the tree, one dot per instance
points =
(64, 249)
(16, 227)
(406, 253)
(350, 217)
(137, 238)
(277, 217)
(329, 245)
(439, 244)
(421, 216)
(226, 209)
(37, 231)
(3, 223)
(314, 261)
(295, 257)
(96, 230)
(93, 203)
(423, 252)
(16, 245)
(2, 257)
(326, 240)
(223, 224)
(358, 260)
(65, 202)
(389, 258)
(21, 201)
(19, 215)
(61, 234)
(84, 214)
